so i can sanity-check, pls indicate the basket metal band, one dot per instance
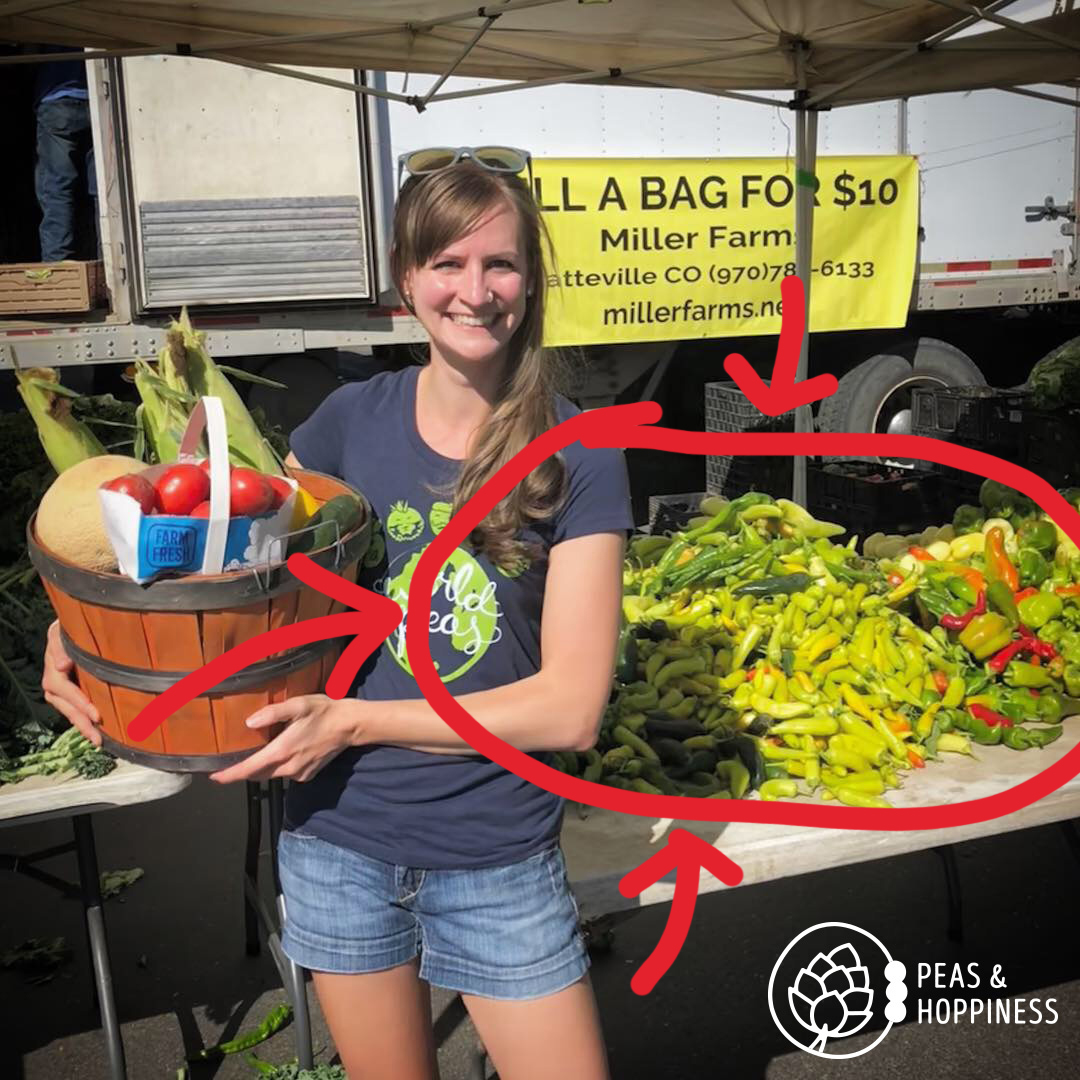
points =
(215, 594)
(254, 677)
(179, 763)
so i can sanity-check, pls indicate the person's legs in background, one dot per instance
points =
(93, 238)
(62, 132)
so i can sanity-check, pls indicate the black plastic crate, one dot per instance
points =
(869, 497)
(981, 417)
(1006, 423)
(728, 410)
(731, 477)
(1052, 446)
(669, 513)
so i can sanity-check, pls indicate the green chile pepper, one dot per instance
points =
(1036, 611)
(1019, 673)
(983, 733)
(778, 789)
(734, 775)
(1049, 707)
(1033, 568)
(1039, 535)
(1000, 597)
(1072, 680)
(1020, 738)
(783, 585)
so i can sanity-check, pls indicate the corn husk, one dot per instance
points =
(166, 399)
(247, 446)
(65, 440)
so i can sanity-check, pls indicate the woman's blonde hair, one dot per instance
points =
(433, 212)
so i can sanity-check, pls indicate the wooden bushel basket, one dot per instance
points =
(131, 642)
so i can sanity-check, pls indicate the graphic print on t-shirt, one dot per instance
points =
(464, 612)
(404, 523)
(439, 516)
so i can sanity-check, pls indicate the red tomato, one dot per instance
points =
(201, 511)
(180, 488)
(250, 493)
(138, 488)
(205, 465)
(282, 490)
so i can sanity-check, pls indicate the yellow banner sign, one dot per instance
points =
(659, 249)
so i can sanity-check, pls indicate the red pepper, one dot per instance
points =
(989, 717)
(915, 760)
(921, 554)
(1068, 590)
(895, 579)
(1026, 643)
(1037, 647)
(941, 682)
(1023, 594)
(958, 622)
(1000, 661)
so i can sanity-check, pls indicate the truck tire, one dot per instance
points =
(860, 395)
(938, 361)
(876, 395)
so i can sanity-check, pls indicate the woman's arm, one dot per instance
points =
(558, 708)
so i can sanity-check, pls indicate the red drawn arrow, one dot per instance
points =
(373, 619)
(686, 854)
(783, 393)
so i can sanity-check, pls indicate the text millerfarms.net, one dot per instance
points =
(640, 312)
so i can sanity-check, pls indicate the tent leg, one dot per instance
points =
(805, 160)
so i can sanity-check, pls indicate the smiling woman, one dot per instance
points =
(407, 859)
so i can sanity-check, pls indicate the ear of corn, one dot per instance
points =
(164, 412)
(247, 446)
(65, 440)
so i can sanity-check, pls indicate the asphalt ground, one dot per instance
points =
(182, 979)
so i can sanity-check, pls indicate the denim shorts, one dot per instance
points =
(505, 932)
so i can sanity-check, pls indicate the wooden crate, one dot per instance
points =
(38, 288)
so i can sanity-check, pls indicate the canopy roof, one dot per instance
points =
(839, 51)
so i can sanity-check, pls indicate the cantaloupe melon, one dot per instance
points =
(69, 515)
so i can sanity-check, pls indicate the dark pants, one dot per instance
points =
(65, 178)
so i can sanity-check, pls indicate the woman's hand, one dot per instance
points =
(317, 729)
(61, 690)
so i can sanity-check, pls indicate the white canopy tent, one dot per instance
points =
(826, 53)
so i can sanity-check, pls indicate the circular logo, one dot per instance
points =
(464, 614)
(826, 983)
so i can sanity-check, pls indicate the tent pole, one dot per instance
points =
(806, 123)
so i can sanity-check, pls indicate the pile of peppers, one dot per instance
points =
(1013, 605)
(759, 654)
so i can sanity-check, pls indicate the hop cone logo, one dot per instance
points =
(832, 996)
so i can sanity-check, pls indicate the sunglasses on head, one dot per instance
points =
(500, 159)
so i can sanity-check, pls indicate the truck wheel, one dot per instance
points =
(876, 396)
(945, 364)
(864, 395)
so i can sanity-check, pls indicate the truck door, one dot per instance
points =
(242, 186)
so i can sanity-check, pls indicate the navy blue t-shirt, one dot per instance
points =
(404, 806)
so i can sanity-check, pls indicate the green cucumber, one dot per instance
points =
(335, 519)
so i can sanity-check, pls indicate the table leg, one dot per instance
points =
(955, 926)
(251, 865)
(99, 948)
(292, 974)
